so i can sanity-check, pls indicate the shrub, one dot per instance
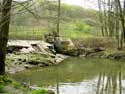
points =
(2, 88)
(40, 91)
(5, 80)
(82, 26)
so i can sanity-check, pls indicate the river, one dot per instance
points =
(78, 76)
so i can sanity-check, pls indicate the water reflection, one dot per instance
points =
(79, 76)
(110, 83)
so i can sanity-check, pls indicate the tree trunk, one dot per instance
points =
(101, 18)
(122, 23)
(58, 17)
(4, 30)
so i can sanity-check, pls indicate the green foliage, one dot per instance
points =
(2, 88)
(40, 91)
(82, 26)
(17, 85)
(5, 80)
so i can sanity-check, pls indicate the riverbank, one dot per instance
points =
(26, 54)
(10, 86)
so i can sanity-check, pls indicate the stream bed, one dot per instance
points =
(78, 76)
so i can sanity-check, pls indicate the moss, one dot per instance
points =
(28, 59)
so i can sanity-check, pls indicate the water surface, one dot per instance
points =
(74, 75)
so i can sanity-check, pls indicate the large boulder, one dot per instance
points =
(65, 46)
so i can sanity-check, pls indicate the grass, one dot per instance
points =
(2, 88)
(92, 42)
(40, 91)
(71, 30)
(73, 34)
(28, 33)
(38, 35)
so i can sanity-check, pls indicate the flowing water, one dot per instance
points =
(78, 76)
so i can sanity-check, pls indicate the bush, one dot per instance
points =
(82, 26)
(40, 91)
(2, 88)
(5, 80)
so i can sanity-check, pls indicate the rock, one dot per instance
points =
(65, 46)
(41, 65)
(34, 88)
(27, 50)
(17, 45)
(63, 42)
(28, 66)
(24, 50)
(33, 62)
(50, 36)
(98, 49)
(117, 56)
(59, 58)
(73, 52)
(32, 54)
(25, 46)
(51, 92)
(43, 47)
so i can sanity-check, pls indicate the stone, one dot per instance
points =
(41, 65)
(27, 66)
(33, 62)
(65, 46)
(51, 92)
(24, 50)
(34, 87)
(59, 58)
(50, 36)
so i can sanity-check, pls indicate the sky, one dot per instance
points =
(82, 3)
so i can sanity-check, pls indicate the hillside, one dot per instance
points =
(43, 17)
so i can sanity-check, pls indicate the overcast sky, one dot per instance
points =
(83, 3)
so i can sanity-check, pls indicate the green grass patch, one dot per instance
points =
(74, 30)
(2, 88)
(26, 33)
(40, 91)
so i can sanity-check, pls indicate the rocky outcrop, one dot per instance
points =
(25, 46)
(24, 54)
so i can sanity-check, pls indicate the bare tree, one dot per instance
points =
(112, 18)
(122, 23)
(58, 16)
(101, 17)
